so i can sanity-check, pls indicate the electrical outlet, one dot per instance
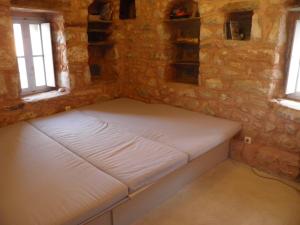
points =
(248, 140)
(68, 108)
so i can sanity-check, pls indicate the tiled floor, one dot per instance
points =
(231, 194)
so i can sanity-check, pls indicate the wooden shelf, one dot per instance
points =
(182, 42)
(102, 43)
(185, 63)
(101, 21)
(104, 31)
(186, 80)
(180, 20)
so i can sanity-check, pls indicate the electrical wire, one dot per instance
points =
(272, 178)
(257, 173)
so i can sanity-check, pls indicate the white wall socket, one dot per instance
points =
(248, 140)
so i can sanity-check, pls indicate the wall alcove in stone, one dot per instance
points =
(127, 9)
(238, 25)
(183, 24)
(101, 45)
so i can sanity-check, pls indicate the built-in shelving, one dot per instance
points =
(183, 23)
(101, 44)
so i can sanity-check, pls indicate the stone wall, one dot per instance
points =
(238, 79)
(69, 25)
(8, 67)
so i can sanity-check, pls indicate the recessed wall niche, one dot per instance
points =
(183, 23)
(238, 25)
(127, 9)
(101, 44)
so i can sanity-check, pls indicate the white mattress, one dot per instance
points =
(43, 183)
(134, 160)
(190, 132)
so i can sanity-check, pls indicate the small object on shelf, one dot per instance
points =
(238, 26)
(106, 12)
(101, 10)
(179, 12)
(235, 30)
(182, 10)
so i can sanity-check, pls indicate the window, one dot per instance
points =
(293, 82)
(34, 55)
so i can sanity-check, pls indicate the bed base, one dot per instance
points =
(140, 203)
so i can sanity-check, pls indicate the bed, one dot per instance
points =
(143, 152)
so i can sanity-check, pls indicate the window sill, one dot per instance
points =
(287, 103)
(44, 96)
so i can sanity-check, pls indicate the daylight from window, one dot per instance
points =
(34, 55)
(293, 84)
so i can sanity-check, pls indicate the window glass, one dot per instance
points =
(18, 40)
(23, 73)
(39, 71)
(36, 42)
(293, 84)
(48, 56)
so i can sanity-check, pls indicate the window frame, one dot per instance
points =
(293, 18)
(294, 96)
(28, 55)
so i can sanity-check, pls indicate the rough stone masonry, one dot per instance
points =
(238, 80)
